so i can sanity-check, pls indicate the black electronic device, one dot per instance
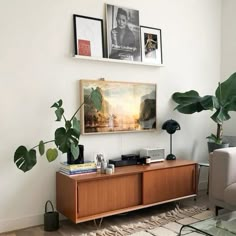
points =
(129, 157)
(142, 160)
(119, 162)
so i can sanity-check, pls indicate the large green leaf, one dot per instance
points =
(96, 98)
(232, 104)
(76, 126)
(190, 102)
(59, 110)
(24, 159)
(59, 113)
(187, 97)
(74, 150)
(64, 138)
(220, 115)
(61, 140)
(41, 148)
(213, 138)
(227, 89)
(57, 104)
(51, 154)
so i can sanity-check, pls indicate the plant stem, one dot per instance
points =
(43, 143)
(64, 117)
(219, 131)
(79, 108)
(77, 111)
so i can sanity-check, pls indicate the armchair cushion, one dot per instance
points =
(230, 194)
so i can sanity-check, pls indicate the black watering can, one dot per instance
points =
(51, 218)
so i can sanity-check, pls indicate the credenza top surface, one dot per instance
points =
(126, 170)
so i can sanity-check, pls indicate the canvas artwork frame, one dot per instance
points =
(123, 33)
(88, 36)
(151, 45)
(126, 107)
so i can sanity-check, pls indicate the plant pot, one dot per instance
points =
(80, 160)
(212, 146)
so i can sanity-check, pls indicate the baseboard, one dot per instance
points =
(23, 223)
(20, 223)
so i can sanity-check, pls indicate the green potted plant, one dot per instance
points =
(66, 137)
(221, 104)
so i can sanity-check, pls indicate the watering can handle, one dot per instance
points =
(46, 206)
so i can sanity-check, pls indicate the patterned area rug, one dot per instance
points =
(164, 224)
(162, 220)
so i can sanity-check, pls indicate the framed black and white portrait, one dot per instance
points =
(88, 36)
(151, 44)
(123, 33)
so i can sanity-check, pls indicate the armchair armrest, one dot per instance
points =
(222, 171)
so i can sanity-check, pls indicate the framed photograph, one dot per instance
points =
(151, 44)
(88, 36)
(123, 33)
(126, 107)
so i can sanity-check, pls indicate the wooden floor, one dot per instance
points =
(71, 229)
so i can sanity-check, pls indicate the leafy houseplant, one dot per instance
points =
(66, 138)
(221, 104)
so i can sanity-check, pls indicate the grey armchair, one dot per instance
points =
(222, 179)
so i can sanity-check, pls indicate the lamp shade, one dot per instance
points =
(171, 126)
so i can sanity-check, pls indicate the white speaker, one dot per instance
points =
(156, 154)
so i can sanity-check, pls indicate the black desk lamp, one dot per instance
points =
(171, 126)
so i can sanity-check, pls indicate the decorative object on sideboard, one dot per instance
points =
(151, 45)
(123, 33)
(66, 138)
(112, 166)
(126, 107)
(221, 104)
(88, 36)
(99, 158)
(171, 126)
(103, 166)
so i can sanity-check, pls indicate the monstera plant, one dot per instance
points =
(66, 138)
(221, 104)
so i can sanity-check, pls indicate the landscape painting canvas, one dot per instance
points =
(126, 107)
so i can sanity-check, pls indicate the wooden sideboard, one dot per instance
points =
(91, 196)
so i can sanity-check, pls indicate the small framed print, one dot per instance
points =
(88, 36)
(151, 45)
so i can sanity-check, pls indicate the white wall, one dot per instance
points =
(37, 68)
(229, 53)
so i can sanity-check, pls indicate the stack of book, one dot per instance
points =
(88, 167)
